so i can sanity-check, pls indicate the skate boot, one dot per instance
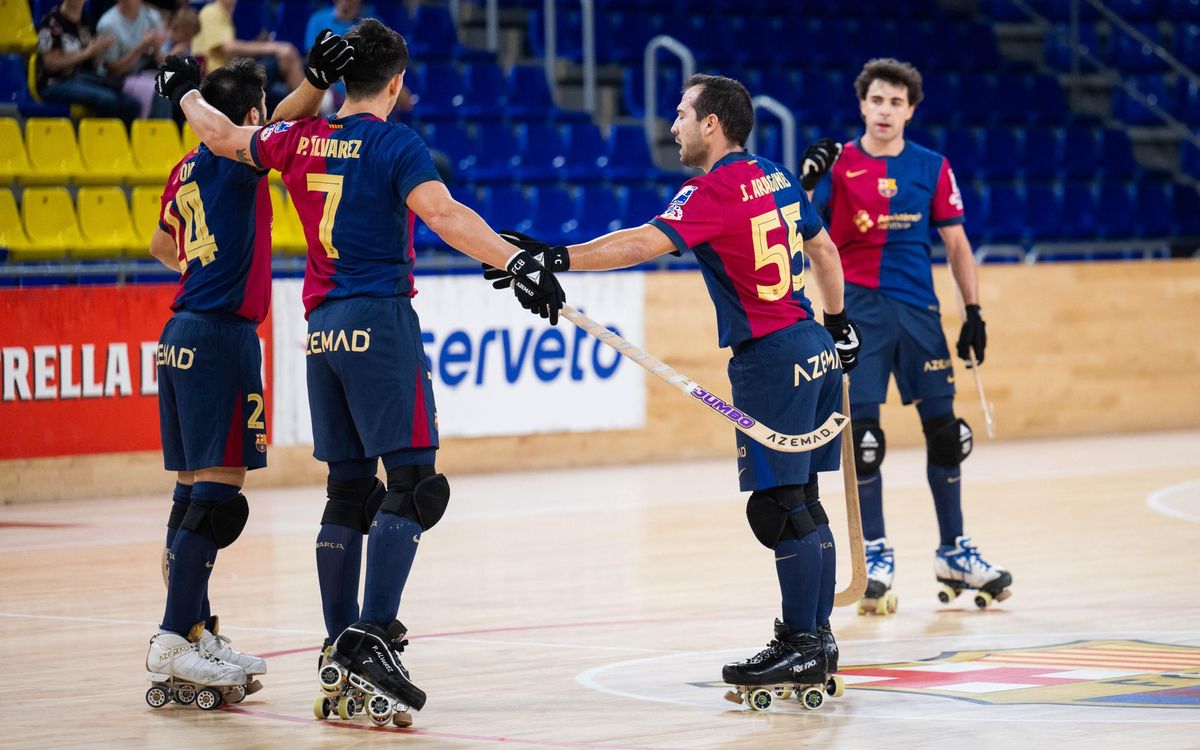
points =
(961, 567)
(834, 685)
(881, 568)
(364, 671)
(212, 643)
(180, 672)
(792, 663)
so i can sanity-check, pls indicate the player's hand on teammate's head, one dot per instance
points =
(328, 59)
(846, 339)
(177, 76)
(556, 258)
(818, 159)
(972, 336)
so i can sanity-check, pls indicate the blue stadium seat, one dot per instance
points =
(12, 78)
(508, 207)
(940, 104)
(629, 31)
(532, 99)
(1131, 56)
(1039, 158)
(1189, 159)
(456, 142)
(1187, 210)
(1186, 45)
(433, 36)
(1116, 214)
(486, 91)
(1058, 54)
(1060, 12)
(1137, 11)
(1006, 214)
(1116, 155)
(979, 38)
(628, 155)
(1002, 158)
(1184, 10)
(1004, 11)
(1081, 209)
(977, 99)
(974, 207)
(499, 154)
(555, 215)
(600, 213)
(641, 204)
(586, 157)
(670, 81)
(931, 137)
(1047, 101)
(963, 151)
(543, 153)
(440, 88)
(1079, 152)
(1154, 207)
(1044, 212)
(1126, 108)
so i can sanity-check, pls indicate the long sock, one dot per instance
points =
(798, 565)
(179, 503)
(945, 482)
(828, 551)
(870, 487)
(392, 545)
(339, 550)
(193, 557)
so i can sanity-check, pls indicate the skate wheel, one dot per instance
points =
(322, 706)
(157, 696)
(381, 721)
(812, 698)
(330, 678)
(208, 699)
(783, 693)
(236, 694)
(881, 606)
(345, 708)
(733, 696)
(982, 599)
(379, 706)
(947, 594)
(759, 700)
(185, 695)
(863, 608)
(402, 719)
(893, 603)
(836, 687)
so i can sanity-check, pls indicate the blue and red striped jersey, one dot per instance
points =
(219, 214)
(881, 209)
(746, 220)
(349, 179)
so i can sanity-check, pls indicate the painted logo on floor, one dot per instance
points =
(1136, 674)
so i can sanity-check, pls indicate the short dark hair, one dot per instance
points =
(235, 89)
(379, 54)
(893, 71)
(728, 100)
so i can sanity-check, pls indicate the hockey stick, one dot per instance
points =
(858, 556)
(989, 424)
(744, 422)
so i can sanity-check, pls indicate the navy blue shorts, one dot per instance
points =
(899, 339)
(790, 381)
(370, 388)
(210, 403)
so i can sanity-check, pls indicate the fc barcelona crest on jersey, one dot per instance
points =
(260, 442)
(887, 187)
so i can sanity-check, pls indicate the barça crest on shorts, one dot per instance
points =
(887, 187)
(260, 442)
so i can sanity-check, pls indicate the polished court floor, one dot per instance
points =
(593, 608)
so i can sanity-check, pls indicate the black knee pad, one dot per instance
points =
(220, 523)
(178, 511)
(778, 514)
(353, 503)
(869, 447)
(812, 501)
(417, 492)
(948, 440)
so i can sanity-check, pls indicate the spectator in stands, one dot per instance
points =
(136, 54)
(68, 55)
(217, 43)
(338, 17)
(184, 26)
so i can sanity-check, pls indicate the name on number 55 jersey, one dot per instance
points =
(348, 179)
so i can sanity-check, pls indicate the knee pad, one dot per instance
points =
(948, 440)
(778, 514)
(178, 511)
(220, 523)
(812, 501)
(869, 447)
(418, 493)
(354, 503)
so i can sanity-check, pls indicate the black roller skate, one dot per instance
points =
(363, 671)
(792, 663)
(835, 686)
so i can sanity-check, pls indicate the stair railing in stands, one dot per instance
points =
(787, 119)
(588, 8)
(687, 62)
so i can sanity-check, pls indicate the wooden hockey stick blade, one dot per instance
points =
(858, 556)
(747, 424)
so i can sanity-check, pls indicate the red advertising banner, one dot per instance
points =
(78, 372)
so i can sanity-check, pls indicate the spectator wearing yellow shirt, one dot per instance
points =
(217, 43)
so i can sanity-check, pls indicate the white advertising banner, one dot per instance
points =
(497, 369)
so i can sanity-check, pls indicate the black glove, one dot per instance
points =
(845, 339)
(177, 76)
(972, 336)
(536, 289)
(556, 258)
(818, 159)
(328, 59)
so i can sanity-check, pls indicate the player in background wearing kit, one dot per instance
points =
(883, 194)
(358, 183)
(750, 225)
(215, 229)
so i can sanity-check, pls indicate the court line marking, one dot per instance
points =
(1157, 500)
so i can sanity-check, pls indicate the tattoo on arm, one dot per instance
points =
(243, 156)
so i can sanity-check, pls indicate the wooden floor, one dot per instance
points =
(594, 609)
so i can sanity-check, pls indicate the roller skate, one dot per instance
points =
(362, 671)
(834, 684)
(179, 671)
(881, 568)
(961, 567)
(212, 643)
(792, 663)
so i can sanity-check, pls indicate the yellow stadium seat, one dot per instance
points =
(49, 219)
(14, 162)
(144, 208)
(53, 153)
(16, 27)
(188, 137)
(287, 235)
(12, 234)
(104, 146)
(104, 221)
(156, 150)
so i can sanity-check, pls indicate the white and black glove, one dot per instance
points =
(818, 159)
(328, 59)
(845, 339)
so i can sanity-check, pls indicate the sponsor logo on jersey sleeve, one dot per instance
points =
(278, 127)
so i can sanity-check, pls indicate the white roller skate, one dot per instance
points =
(961, 567)
(362, 672)
(881, 569)
(212, 643)
(181, 673)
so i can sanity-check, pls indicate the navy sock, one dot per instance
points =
(870, 487)
(392, 544)
(339, 563)
(798, 565)
(180, 499)
(828, 551)
(945, 482)
(193, 557)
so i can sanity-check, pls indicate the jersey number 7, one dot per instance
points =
(331, 185)
(766, 254)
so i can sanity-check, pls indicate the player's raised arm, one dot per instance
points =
(178, 79)
(327, 61)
